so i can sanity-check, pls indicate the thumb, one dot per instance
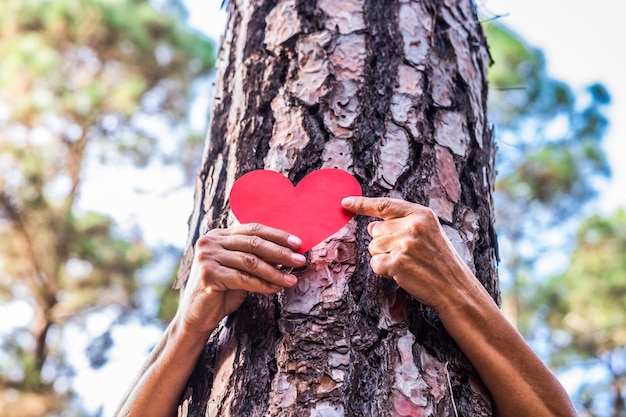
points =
(382, 207)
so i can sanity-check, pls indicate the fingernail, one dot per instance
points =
(290, 279)
(298, 258)
(294, 241)
(348, 202)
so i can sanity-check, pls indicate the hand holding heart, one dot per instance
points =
(311, 210)
(280, 222)
(230, 262)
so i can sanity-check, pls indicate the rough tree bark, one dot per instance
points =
(394, 92)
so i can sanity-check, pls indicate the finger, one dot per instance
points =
(382, 207)
(235, 279)
(382, 245)
(381, 264)
(251, 265)
(373, 230)
(266, 250)
(277, 236)
(387, 227)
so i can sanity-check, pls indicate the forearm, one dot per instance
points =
(519, 382)
(158, 387)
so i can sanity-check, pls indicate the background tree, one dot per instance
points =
(394, 92)
(549, 160)
(585, 309)
(81, 83)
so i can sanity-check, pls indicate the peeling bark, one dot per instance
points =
(394, 92)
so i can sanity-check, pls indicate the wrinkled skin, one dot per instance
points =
(231, 262)
(410, 247)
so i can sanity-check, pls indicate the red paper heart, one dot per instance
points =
(312, 210)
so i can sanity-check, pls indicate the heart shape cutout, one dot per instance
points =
(311, 210)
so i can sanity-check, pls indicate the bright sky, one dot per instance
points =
(582, 42)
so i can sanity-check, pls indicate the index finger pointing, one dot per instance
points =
(381, 207)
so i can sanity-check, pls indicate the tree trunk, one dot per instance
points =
(393, 92)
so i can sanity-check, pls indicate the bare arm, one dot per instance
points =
(228, 263)
(410, 246)
(158, 387)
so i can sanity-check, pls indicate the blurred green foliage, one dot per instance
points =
(585, 309)
(79, 83)
(550, 157)
(588, 299)
(550, 152)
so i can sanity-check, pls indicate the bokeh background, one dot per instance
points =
(103, 110)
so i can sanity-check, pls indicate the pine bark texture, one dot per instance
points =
(395, 93)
